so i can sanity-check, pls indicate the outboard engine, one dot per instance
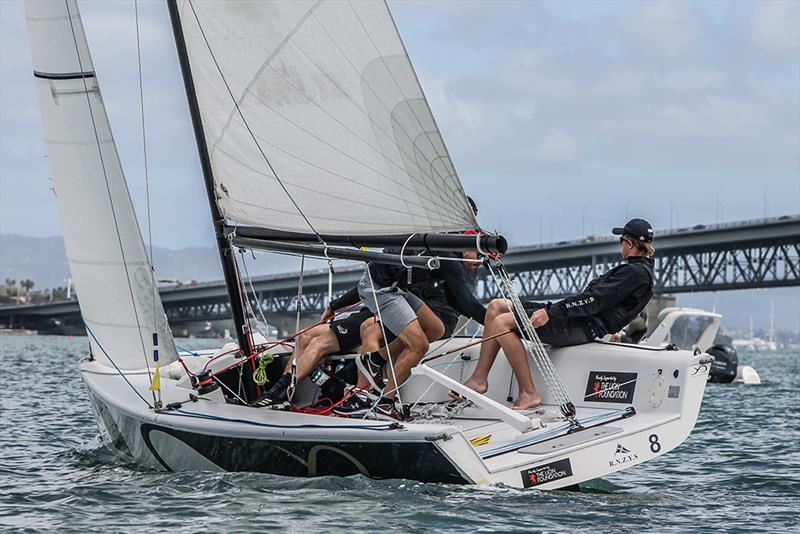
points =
(723, 368)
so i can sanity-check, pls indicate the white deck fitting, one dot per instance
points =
(513, 418)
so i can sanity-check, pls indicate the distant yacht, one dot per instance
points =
(756, 343)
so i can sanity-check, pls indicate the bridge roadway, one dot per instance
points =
(749, 254)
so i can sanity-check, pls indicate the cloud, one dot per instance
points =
(556, 146)
(666, 24)
(776, 26)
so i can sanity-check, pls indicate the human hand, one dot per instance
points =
(326, 314)
(615, 338)
(470, 265)
(539, 318)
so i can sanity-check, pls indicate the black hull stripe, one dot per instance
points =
(410, 460)
(63, 75)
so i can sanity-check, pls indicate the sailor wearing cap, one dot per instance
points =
(608, 303)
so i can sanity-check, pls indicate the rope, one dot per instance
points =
(535, 347)
(125, 378)
(260, 374)
(386, 344)
(403, 250)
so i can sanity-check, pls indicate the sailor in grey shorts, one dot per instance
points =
(397, 306)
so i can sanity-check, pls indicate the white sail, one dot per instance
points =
(106, 253)
(314, 107)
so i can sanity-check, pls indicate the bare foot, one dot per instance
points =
(527, 401)
(477, 385)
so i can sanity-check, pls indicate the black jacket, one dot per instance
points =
(445, 287)
(611, 300)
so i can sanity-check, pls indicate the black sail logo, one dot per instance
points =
(542, 474)
(607, 386)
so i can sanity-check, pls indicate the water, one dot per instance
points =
(738, 471)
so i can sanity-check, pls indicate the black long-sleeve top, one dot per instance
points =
(449, 278)
(613, 299)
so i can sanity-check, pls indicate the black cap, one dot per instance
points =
(472, 205)
(636, 228)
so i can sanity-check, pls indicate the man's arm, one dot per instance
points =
(459, 291)
(348, 299)
(609, 290)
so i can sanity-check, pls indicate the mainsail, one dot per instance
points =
(107, 257)
(316, 122)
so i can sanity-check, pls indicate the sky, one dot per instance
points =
(563, 119)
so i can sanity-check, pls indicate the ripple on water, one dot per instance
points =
(738, 471)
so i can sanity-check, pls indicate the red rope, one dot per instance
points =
(273, 344)
(315, 409)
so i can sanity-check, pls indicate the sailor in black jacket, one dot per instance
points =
(608, 303)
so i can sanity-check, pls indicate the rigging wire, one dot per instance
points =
(300, 292)
(147, 193)
(108, 186)
(108, 356)
(386, 342)
(253, 289)
(534, 348)
(249, 130)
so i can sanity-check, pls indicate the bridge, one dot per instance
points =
(750, 254)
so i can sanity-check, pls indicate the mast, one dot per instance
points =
(225, 252)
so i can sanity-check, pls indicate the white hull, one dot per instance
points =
(212, 435)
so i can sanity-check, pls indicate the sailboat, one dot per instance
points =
(315, 138)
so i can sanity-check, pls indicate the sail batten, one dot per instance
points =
(317, 121)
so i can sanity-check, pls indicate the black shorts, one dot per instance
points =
(560, 331)
(348, 330)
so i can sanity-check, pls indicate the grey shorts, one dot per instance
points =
(396, 307)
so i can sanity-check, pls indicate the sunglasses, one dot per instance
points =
(623, 240)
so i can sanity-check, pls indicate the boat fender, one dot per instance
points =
(725, 364)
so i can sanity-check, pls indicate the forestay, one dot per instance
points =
(314, 107)
(104, 246)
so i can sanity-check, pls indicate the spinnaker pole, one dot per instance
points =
(225, 253)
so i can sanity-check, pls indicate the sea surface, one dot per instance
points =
(739, 471)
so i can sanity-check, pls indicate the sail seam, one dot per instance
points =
(332, 172)
(397, 85)
(463, 196)
(383, 155)
(310, 189)
(402, 168)
(241, 115)
(107, 263)
(79, 143)
(257, 74)
(105, 176)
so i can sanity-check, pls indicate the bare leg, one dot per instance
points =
(479, 381)
(371, 340)
(430, 324)
(416, 345)
(321, 343)
(518, 359)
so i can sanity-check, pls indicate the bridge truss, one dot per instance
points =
(752, 254)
